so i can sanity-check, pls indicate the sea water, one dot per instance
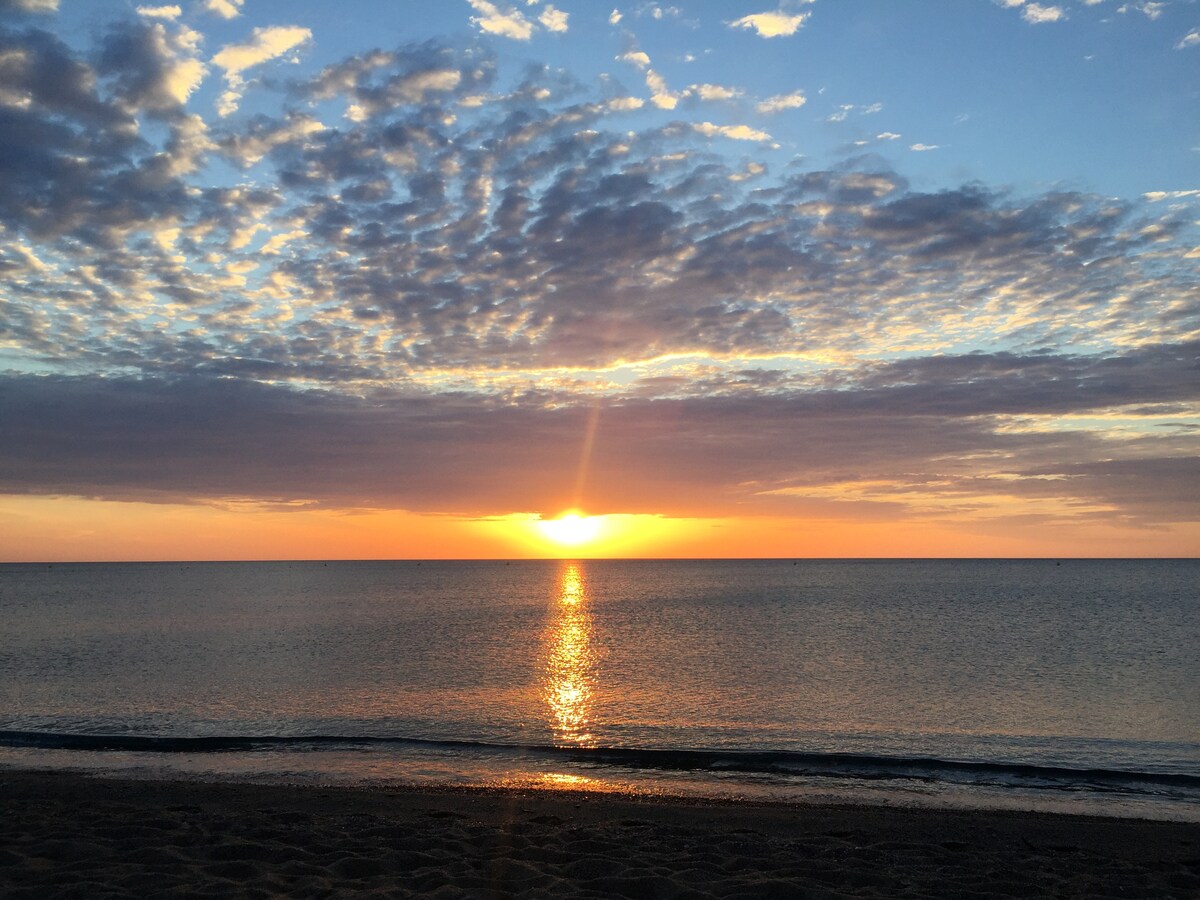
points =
(1070, 685)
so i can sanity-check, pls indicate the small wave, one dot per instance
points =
(745, 762)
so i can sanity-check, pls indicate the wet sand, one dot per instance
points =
(65, 835)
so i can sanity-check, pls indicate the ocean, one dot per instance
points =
(1064, 686)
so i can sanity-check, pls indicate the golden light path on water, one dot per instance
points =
(569, 669)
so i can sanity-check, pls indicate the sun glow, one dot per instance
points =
(571, 529)
(576, 535)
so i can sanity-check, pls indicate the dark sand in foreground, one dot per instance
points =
(71, 836)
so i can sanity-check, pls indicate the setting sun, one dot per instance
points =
(581, 536)
(571, 529)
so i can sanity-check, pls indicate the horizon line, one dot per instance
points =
(585, 559)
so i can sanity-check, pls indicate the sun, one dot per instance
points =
(571, 529)
(575, 534)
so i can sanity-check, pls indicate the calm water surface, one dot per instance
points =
(993, 681)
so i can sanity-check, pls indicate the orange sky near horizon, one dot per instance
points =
(65, 529)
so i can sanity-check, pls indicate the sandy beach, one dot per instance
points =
(65, 835)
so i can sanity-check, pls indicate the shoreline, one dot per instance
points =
(94, 835)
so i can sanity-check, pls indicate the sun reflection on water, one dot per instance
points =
(569, 672)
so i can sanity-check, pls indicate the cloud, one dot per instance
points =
(553, 19)
(509, 23)
(422, 79)
(945, 433)
(160, 12)
(887, 136)
(635, 57)
(734, 132)
(660, 12)
(76, 165)
(1191, 39)
(660, 95)
(771, 24)
(156, 68)
(921, 148)
(1036, 14)
(614, 17)
(1157, 196)
(265, 44)
(226, 9)
(713, 92)
(260, 138)
(752, 170)
(278, 241)
(1151, 10)
(843, 111)
(30, 6)
(780, 102)
(394, 199)
(625, 104)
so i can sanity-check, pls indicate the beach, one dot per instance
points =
(69, 835)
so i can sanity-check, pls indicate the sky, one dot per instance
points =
(412, 279)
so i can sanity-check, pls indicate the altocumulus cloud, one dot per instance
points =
(771, 24)
(417, 259)
(265, 44)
